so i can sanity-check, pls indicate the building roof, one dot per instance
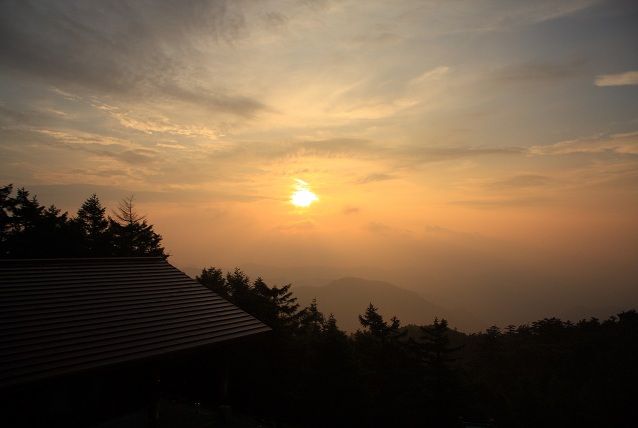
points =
(61, 316)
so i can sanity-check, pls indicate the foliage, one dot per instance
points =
(94, 227)
(131, 234)
(274, 306)
(373, 323)
(556, 373)
(29, 230)
(310, 373)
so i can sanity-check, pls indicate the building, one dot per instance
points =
(82, 340)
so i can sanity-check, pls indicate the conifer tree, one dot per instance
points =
(213, 279)
(131, 233)
(373, 323)
(29, 230)
(94, 227)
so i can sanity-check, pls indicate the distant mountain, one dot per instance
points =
(349, 297)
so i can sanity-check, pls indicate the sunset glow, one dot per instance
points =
(484, 154)
(303, 198)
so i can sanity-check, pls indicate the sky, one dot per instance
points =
(483, 153)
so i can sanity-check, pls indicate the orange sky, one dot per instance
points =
(454, 147)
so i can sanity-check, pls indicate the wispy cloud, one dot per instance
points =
(621, 79)
(522, 181)
(85, 138)
(625, 144)
(171, 146)
(384, 229)
(540, 71)
(374, 177)
(349, 210)
(161, 124)
(336, 147)
(125, 49)
(496, 203)
(416, 155)
(431, 75)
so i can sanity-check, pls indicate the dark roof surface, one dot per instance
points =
(67, 315)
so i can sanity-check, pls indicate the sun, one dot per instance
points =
(302, 197)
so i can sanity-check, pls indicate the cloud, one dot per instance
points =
(540, 71)
(522, 181)
(624, 144)
(351, 210)
(14, 117)
(138, 156)
(102, 146)
(216, 100)
(337, 147)
(125, 48)
(622, 79)
(370, 178)
(161, 124)
(99, 176)
(82, 138)
(416, 155)
(386, 230)
(477, 17)
(170, 146)
(465, 237)
(490, 204)
(431, 75)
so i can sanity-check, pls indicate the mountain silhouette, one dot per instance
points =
(348, 297)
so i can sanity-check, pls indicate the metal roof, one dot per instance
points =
(60, 316)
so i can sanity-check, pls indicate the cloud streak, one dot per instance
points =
(541, 71)
(123, 48)
(622, 144)
(622, 79)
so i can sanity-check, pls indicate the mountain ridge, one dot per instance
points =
(340, 296)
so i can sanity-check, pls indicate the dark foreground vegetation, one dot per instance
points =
(30, 230)
(308, 372)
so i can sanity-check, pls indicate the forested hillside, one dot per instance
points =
(545, 373)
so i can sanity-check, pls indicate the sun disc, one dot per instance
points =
(303, 198)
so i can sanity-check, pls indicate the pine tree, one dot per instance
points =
(94, 227)
(214, 280)
(435, 353)
(32, 231)
(312, 321)
(6, 203)
(385, 368)
(373, 323)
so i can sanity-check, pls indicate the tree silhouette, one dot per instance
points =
(441, 386)
(131, 234)
(214, 280)
(29, 230)
(386, 369)
(94, 226)
(373, 323)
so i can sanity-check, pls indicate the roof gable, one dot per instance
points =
(67, 315)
